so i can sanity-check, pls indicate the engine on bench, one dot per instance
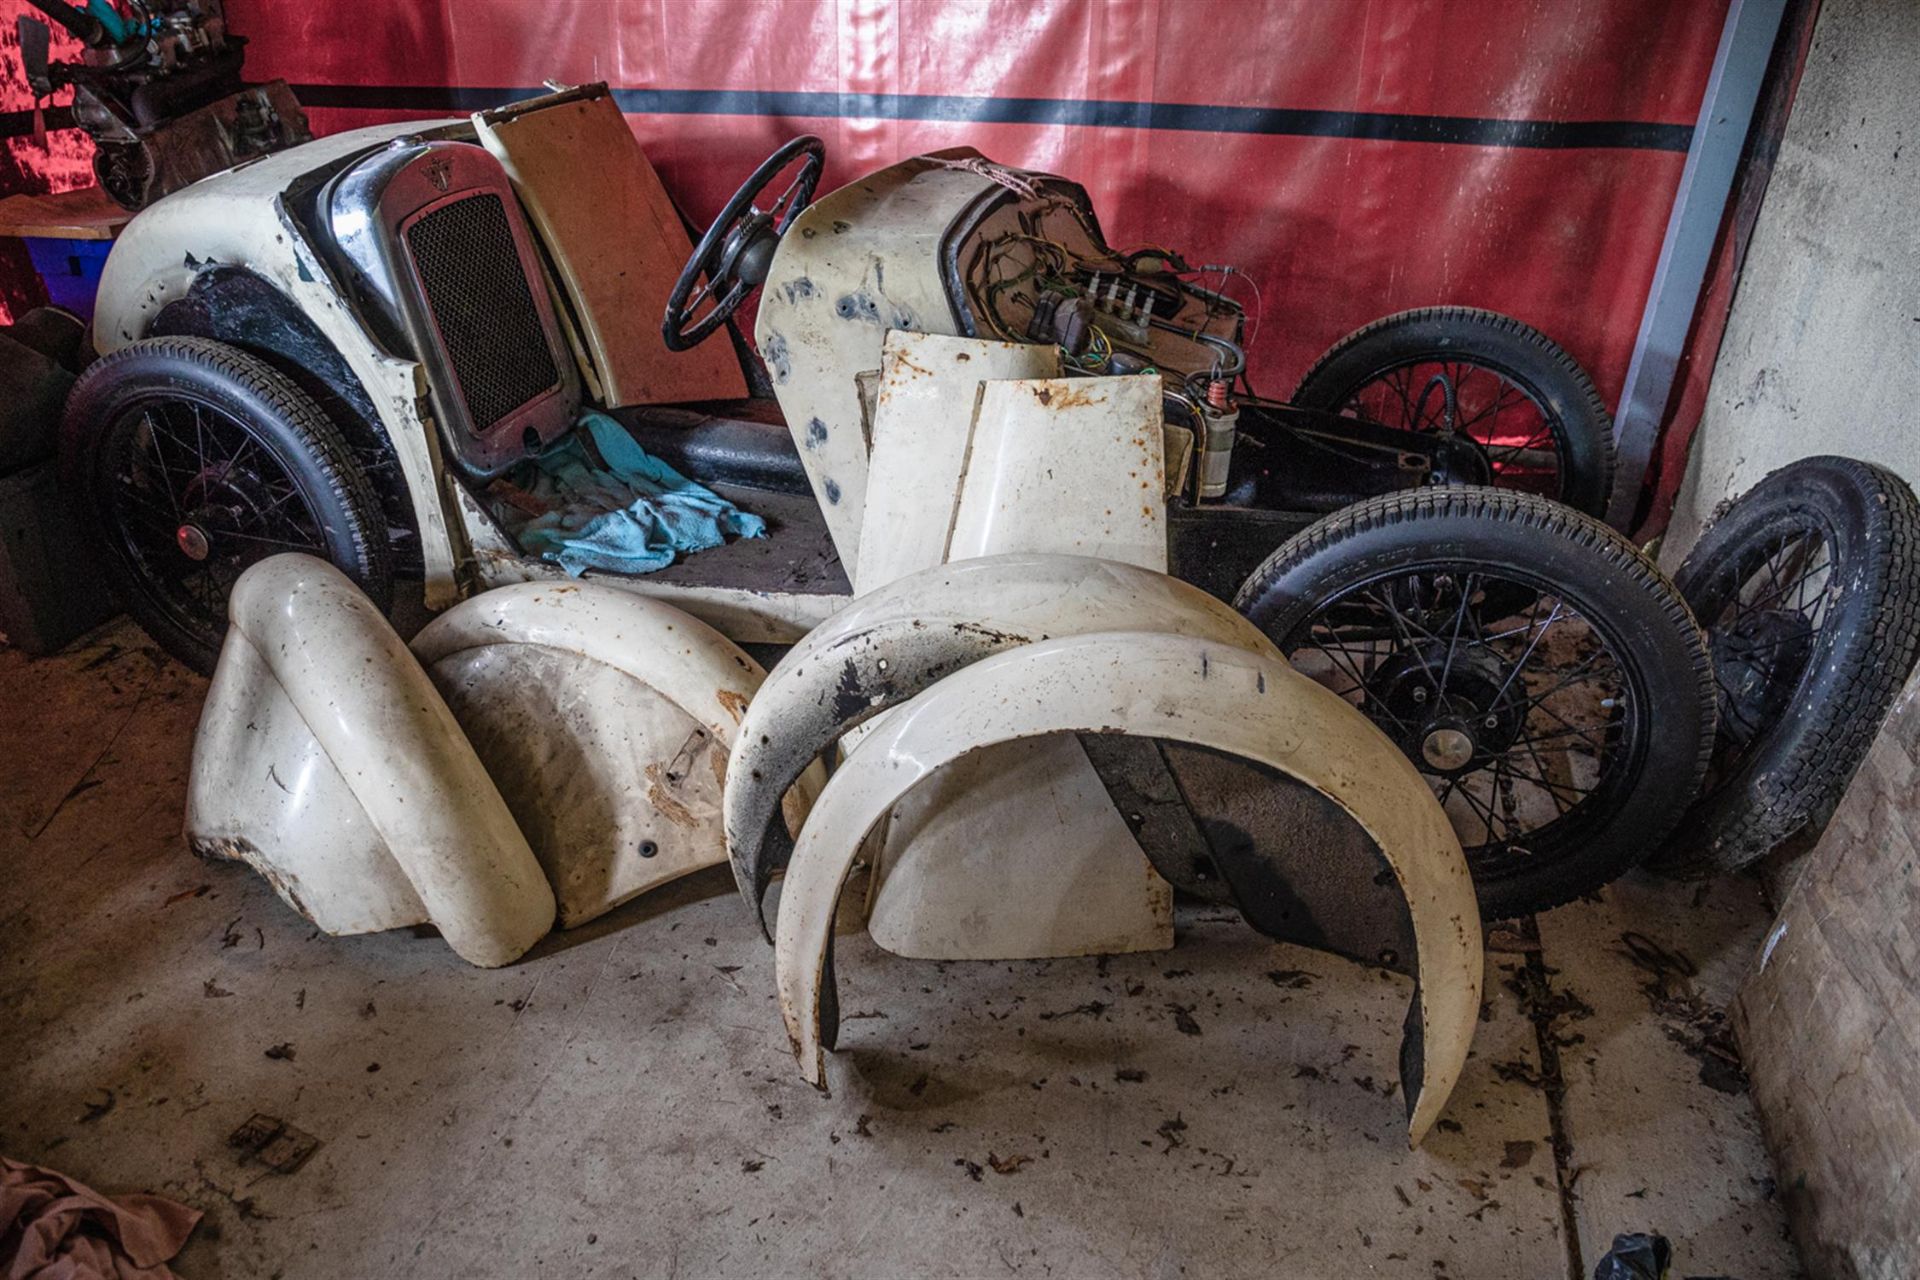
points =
(159, 92)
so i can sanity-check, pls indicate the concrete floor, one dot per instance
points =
(622, 1102)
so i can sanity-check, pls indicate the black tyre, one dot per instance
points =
(1809, 587)
(1508, 387)
(193, 461)
(1537, 669)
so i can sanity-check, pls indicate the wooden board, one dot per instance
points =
(84, 214)
(1829, 1024)
(616, 244)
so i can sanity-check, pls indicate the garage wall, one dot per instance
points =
(1822, 348)
(1821, 355)
(1829, 1025)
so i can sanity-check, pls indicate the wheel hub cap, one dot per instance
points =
(1447, 749)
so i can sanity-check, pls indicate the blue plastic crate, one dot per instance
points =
(70, 269)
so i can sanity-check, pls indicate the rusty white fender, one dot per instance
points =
(1185, 689)
(605, 719)
(890, 644)
(327, 761)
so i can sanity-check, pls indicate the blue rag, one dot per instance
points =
(631, 518)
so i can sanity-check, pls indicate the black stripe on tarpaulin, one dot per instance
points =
(19, 124)
(1631, 135)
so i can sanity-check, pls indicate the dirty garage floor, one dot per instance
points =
(621, 1102)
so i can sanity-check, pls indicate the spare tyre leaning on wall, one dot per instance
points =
(1809, 588)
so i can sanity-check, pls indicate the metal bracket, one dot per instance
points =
(1713, 159)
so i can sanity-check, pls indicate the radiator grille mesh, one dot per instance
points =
(480, 298)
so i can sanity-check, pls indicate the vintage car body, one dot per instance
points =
(294, 257)
(315, 261)
(237, 237)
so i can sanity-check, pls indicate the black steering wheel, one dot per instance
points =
(737, 251)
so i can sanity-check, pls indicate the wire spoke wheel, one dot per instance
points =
(1503, 418)
(1808, 586)
(192, 498)
(1521, 402)
(1531, 664)
(195, 461)
(1509, 700)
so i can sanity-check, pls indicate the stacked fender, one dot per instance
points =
(1010, 648)
(890, 644)
(542, 751)
(327, 761)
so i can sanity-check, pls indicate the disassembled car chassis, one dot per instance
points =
(991, 439)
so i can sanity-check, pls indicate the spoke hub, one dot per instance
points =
(1460, 459)
(223, 497)
(1757, 662)
(1451, 718)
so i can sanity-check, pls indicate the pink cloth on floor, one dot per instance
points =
(53, 1228)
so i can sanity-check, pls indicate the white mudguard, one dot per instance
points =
(889, 645)
(326, 760)
(605, 719)
(1185, 689)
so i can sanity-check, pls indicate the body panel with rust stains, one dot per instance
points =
(605, 719)
(1180, 689)
(979, 448)
(855, 264)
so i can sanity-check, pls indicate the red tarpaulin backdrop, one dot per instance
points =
(1353, 157)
